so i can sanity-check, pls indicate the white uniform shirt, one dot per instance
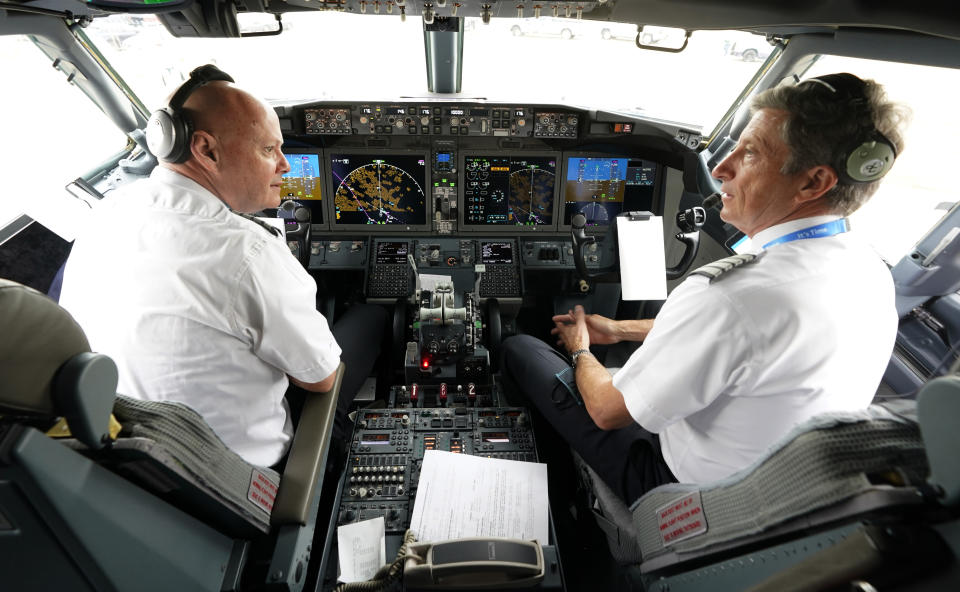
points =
(198, 305)
(731, 366)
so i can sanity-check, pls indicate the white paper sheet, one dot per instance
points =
(362, 549)
(471, 496)
(642, 262)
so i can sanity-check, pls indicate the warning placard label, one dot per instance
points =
(263, 491)
(681, 519)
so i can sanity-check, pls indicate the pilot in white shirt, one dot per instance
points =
(199, 304)
(738, 355)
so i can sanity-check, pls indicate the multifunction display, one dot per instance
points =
(492, 253)
(379, 188)
(600, 188)
(302, 185)
(509, 190)
(392, 253)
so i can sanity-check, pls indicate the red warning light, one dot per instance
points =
(426, 363)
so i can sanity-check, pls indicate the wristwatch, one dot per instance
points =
(576, 355)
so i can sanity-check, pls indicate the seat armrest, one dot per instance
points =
(307, 457)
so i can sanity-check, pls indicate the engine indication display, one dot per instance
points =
(600, 188)
(379, 189)
(509, 190)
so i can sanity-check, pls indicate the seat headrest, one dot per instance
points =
(37, 338)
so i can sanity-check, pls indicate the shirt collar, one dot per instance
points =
(193, 195)
(774, 232)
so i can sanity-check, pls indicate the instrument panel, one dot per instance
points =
(482, 192)
(471, 166)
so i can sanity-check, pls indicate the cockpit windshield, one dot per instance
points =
(567, 61)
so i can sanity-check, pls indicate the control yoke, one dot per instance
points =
(689, 222)
(298, 238)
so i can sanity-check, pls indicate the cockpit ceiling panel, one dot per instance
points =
(924, 16)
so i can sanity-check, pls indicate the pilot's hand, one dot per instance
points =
(602, 331)
(571, 330)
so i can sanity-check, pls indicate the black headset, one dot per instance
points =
(169, 129)
(869, 156)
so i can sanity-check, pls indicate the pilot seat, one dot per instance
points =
(150, 500)
(844, 499)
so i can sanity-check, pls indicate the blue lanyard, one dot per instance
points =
(824, 230)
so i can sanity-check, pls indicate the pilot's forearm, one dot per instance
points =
(603, 401)
(634, 330)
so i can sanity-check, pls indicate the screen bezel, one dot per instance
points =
(657, 205)
(322, 175)
(380, 228)
(506, 228)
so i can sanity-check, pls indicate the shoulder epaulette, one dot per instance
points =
(716, 269)
(271, 229)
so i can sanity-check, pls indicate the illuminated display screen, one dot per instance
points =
(375, 439)
(496, 252)
(511, 190)
(392, 253)
(379, 189)
(496, 437)
(600, 188)
(302, 185)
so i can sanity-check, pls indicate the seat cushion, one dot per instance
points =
(821, 463)
(169, 449)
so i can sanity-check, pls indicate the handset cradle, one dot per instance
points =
(473, 563)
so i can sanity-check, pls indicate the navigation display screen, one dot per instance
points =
(498, 252)
(602, 187)
(509, 190)
(302, 185)
(392, 253)
(379, 189)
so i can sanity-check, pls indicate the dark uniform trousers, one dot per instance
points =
(629, 459)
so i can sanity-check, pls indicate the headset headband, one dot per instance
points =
(198, 77)
(871, 154)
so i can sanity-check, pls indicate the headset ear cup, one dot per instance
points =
(168, 135)
(867, 161)
(184, 132)
(160, 133)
